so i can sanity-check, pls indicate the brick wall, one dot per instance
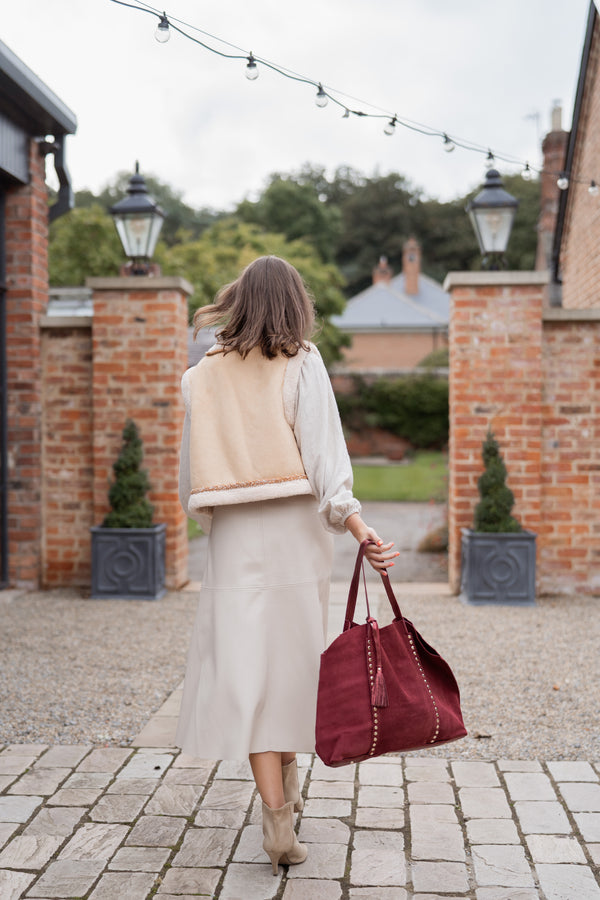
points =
(580, 260)
(26, 302)
(124, 362)
(495, 381)
(67, 441)
(139, 345)
(395, 350)
(532, 375)
(570, 527)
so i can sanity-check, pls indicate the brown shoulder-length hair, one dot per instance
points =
(268, 306)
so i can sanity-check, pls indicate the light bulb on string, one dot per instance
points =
(251, 69)
(321, 99)
(163, 32)
(526, 174)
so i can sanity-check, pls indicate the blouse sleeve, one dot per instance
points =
(203, 516)
(318, 432)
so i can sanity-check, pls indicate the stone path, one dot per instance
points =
(130, 823)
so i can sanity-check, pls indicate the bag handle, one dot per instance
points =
(353, 591)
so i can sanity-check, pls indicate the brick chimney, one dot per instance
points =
(411, 266)
(382, 272)
(554, 148)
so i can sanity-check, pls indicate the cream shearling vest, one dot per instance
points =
(242, 446)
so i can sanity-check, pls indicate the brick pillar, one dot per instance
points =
(26, 303)
(139, 339)
(67, 450)
(495, 381)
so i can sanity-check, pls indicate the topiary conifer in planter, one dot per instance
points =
(498, 555)
(128, 551)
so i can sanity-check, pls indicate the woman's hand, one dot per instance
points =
(377, 553)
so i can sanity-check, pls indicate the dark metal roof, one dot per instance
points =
(28, 102)
(570, 152)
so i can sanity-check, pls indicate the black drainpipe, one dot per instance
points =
(3, 404)
(65, 200)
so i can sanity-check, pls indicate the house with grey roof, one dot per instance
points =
(396, 321)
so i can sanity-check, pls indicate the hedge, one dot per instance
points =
(414, 407)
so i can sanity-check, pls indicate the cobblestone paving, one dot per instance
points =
(111, 823)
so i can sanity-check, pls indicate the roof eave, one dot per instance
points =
(570, 151)
(39, 109)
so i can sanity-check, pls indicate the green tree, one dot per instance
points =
(83, 243)
(181, 220)
(522, 245)
(296, 209)
(378, 213)
(448, 240)
(378, 216)
(493, 512)
(127, 496)
(448, 243)
(221, 252)
(414, 407)
(345, 183)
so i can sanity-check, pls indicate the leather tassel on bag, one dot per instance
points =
(379, 696)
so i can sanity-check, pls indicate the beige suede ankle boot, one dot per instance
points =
(280, 841)
(291, 788)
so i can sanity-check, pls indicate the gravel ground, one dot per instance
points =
(529, 677)
(76, 670)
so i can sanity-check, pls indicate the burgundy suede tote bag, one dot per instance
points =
(383, 690)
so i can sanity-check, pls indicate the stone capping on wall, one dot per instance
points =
(66, 322)
(493, 279)
(560, 314)
(140, 283)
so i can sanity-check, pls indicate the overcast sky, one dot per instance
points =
(478, 70)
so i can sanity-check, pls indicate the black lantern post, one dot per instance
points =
(492, 213)
(138, 219)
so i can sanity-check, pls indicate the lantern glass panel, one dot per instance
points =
(492, 227)
(139, 233)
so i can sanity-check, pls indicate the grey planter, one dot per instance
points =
(498, 568)
(128, 563)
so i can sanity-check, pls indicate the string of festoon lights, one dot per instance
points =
(324, 94)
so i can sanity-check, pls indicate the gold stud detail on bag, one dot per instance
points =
(436, 711)
(373, 746)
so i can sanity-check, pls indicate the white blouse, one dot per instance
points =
(319, 435)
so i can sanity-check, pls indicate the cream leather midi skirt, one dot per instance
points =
(253, 662)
